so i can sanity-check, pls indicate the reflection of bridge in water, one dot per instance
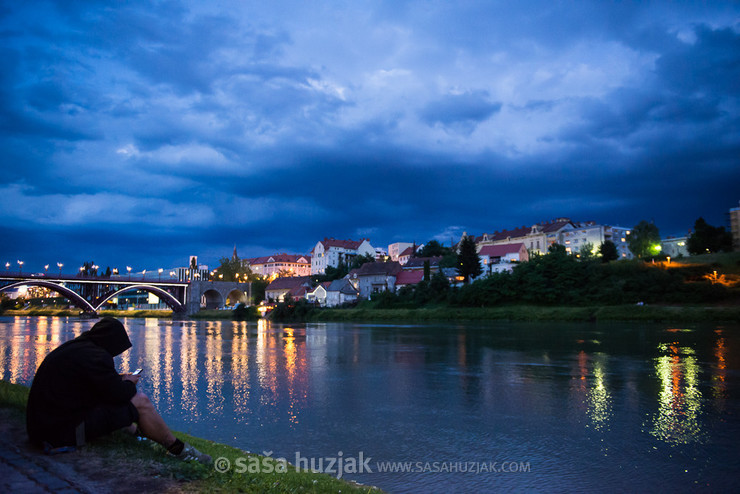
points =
(91, 294)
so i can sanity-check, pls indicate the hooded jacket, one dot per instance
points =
(74, 378)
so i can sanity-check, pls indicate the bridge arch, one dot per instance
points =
(236, 296)
(163, 295)
(65, 292)
(212, 299)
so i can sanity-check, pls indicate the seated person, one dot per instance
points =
(77, 395)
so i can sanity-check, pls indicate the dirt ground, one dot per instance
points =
(87, 469)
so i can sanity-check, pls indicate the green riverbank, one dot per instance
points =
(535, 313)
(126, 459)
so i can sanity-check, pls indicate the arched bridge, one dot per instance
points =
(90, 294)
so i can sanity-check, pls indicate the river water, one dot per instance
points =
(474, 407)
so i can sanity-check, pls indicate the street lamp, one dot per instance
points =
(59, 265)
(160, 273)
(128, 268)
(20, 267)
(82, 271)
(46, 269)
(7, 266)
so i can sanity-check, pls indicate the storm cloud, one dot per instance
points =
(141, 133)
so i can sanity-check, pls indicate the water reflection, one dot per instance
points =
(590, 388)
(261, 374)
(599, 397)
(189, 370)
(679, 399)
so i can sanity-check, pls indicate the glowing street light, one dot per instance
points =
(128, 268)
(46, 269)
(160, 273)
(7, 266)
(20, 267)
(59, 265)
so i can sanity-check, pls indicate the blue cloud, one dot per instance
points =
(460, 112)
(275, 125)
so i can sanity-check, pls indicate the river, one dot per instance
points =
(470, 407)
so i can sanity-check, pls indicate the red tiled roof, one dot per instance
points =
(298, 292)
(546, 227)
(288, 282)
(500, 250)
(279, 258)
(376, 268)
(409, 277)
(408, 251)
(342, 244)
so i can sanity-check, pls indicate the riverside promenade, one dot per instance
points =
(26, 469)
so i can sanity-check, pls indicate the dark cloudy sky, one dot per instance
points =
(143, 132)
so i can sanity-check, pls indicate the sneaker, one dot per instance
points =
(189, 453)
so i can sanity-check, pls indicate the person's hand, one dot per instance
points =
(130, 377)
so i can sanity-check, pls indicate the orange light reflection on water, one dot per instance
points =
(240, 370)
(679, 399)
(214, 367)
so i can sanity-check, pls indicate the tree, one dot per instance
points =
(231, 267)
(258, 290)
(644, 240)
(468, 260)
(586, 252)
(358, 261)
(432, 249)
(608, 251)
(708, 239)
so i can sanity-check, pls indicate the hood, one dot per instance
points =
(109, 334)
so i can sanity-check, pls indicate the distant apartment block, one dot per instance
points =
(590, 233)
(381, 254)
(280, 265)
(735, 227)
(395, 250)
(331, 252)
(194, 271)
(674, 247)
(538, 238)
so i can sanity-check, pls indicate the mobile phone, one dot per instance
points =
(137, 372)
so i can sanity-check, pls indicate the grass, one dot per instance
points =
(727, 262)
(536, 313)
(150, 459)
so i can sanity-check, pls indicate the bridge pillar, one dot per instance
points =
(197, 288)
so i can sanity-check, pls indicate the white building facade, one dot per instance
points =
(331, 252)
